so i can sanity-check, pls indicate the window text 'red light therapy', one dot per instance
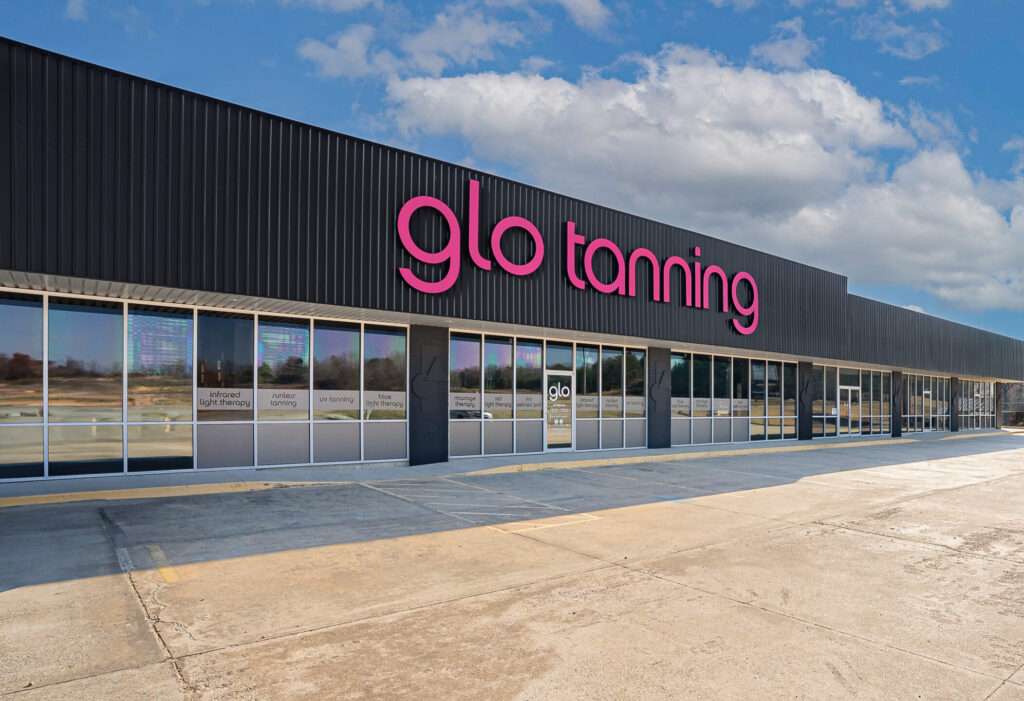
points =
(695, 281)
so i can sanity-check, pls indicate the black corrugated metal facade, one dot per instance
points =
(112, 177)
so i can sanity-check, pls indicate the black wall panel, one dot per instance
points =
(659, 397)
(108, 176)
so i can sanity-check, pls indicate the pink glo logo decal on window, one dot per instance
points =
(694, 283)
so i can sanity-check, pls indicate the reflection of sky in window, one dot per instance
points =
(497, 354)
(159, 341)
(384, 344)
(528, 356)
(465, 354)
(279, 342)
(87, 334)
(22, 324)
(330, 340)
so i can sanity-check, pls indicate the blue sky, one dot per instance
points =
(883, 139)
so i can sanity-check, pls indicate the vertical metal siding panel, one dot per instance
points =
(8, 235)
(19, 161)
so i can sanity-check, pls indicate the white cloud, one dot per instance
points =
(918, 5)
(347, 53)
(902, 40)
(535, 64)
(75, 9)
(460, 34)
(920, 80)
(589, 14)
(1016, 144)
(789, 47)
(784, 162)
(330, 5)
(914, 308)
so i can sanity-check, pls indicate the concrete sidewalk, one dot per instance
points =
(883, 570)
(149, 485)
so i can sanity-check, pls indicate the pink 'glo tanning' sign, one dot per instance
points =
(695, 281)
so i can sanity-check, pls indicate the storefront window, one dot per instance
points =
(722, 386)
(636, 403)
(335, 371)
(86, 359)
(681, 384)
(789, 400)
(757, 400)
(21, 363)
(283, 379)
(587, 402)
(740, 387)
(559, 356)
(383, 373)
(159, 365)
(701, 385)
(498, 399)
(611, 383)
(464, 377)
(225, 366)
(818, 400)
(529, 378)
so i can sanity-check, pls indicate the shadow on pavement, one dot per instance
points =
(57, 542)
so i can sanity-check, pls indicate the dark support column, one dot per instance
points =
(998, 390)
(659, 398)
(805, 406)
(899, 394)
(954, 404)
(428, 401)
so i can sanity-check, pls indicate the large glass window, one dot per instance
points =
(21, 363)
(740, 387)
(758, 385)
(225, 367)
(636, 403)
(464, 377)
(86, 360)
(701, 385)
(335, 371)
(722, 386)
(529, 378)
(773, 399)
(611, 383)
(789, 400)
(681, 363)
(587, 382)
(383, 373)
(498, 378)
(159, 365)
(559, 356)
(283, 379)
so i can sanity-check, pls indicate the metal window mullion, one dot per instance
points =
(254, 423)
(362, 380)
(309, 399)
(195, 389)
(124, 387)
(46, 385)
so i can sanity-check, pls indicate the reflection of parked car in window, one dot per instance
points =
(468, 414)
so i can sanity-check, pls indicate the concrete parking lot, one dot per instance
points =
(879, 569)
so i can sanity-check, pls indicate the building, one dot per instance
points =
(189, 284)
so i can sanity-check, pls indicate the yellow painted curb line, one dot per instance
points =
(974, 435)
(601, 462)
(152, 492)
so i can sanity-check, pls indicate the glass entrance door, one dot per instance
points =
(558, 417)
(849, 411)
(926, 419)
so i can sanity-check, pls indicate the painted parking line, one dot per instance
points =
(155, 492)
(163, 566)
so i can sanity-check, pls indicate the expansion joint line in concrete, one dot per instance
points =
(117, 541)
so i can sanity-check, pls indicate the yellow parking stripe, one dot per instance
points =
(153, 492)
(162, 564)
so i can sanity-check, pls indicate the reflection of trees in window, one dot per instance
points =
(288, 373)
(635, 373)
(337, 372)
